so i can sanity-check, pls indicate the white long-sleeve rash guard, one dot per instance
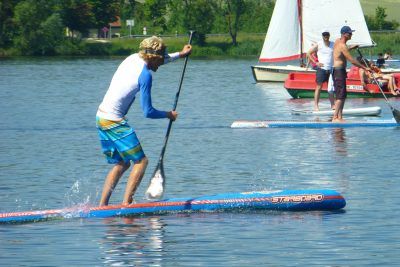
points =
(131, 77)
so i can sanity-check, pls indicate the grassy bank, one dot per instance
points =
(218, 46)
(386, 42)
(249, 45)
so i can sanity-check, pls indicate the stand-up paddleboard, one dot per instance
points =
(368, 111)
(286, 200)
(313, 124)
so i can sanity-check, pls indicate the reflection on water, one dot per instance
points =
(129, 241)
(146, 241)
(340, 142)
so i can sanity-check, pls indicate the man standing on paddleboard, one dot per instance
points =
(118, 140)
(341, 53)
(324, 50)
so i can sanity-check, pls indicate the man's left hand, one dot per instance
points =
(187, 49)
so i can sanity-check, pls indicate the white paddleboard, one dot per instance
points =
(313, 124)
(369, 111)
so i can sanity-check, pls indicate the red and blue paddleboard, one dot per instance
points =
(283, 200)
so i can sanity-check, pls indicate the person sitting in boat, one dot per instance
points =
(380, 62)
(387, 56)
(385, 76)
(375, 76)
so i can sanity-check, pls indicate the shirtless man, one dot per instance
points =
(341, 53)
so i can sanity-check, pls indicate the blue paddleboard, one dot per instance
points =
(284, 200)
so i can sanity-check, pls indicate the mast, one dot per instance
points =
(299, 10)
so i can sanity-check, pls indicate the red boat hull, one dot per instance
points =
(302, 85)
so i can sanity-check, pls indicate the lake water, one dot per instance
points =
(50, 158)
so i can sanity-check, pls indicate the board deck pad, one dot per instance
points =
(368, 111)
(312, 124)
(284, 200)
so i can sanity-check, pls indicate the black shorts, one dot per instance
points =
(339, 82)
(322, 76)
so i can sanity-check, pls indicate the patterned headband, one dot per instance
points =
(155, 52)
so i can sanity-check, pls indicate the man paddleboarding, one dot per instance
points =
(118, 139)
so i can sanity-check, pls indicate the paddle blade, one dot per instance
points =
(396, 114)
(156, 188)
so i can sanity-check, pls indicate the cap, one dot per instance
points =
(346, 29)
(326, 32)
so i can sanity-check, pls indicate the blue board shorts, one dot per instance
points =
(119, 141)
(322, 75)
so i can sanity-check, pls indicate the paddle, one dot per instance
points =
(396, 113)
(157, 182)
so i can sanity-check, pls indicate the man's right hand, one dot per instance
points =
(172, 115)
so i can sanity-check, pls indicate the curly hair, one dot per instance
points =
(151, 48)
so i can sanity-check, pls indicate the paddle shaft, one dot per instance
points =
(175, 105)
(396, 113)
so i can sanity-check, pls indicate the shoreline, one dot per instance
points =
(217, 46)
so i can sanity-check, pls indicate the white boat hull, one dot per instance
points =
(275, 73)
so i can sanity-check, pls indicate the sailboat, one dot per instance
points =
(297, 25)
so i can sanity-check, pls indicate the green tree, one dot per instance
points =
(39, 29)
(7, 25)
(380, 16)
(104, 11)
(379, 22)
(77, 15)
(196, 15)
(155, 12)
(126, 11)
(257, 16)
(242, 16)
(232, 11)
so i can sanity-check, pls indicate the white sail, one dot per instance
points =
(283, 37)
(332, 15)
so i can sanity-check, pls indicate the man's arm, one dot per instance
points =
(310, 52)
(186, 50)
(351, 47)
(347, 55)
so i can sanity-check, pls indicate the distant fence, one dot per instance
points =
(141, 36)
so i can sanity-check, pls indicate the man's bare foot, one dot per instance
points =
(338, 120)
(316, 108)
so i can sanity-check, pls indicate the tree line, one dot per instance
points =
(48, 27)
(38, 27)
